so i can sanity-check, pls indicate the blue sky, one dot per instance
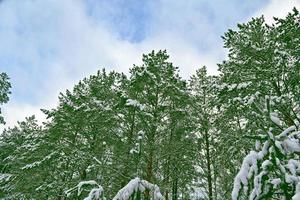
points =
(49, 45)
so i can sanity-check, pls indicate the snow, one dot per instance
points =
(257, 145)
(279, 146)
(82, 183)
(286, 132)
(275, 119)
(125, 193)
(288, 144)
(293, 166)
(233, 86)
(95, 193)
(141, 135)
(132, 151)
(291, 145)
(37, 163)
(134, 103)
(135, 149)
(249, 162)
(136, 185)
(251, 100)
(276, 182)
(249, 166)
(297, 195)
(5, 177)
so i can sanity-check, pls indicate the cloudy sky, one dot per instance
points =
(49, 45)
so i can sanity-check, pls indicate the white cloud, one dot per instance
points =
(19, 111)
(277, 8)
(76, 47)
(59, 43)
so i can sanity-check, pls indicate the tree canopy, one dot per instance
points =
(153, 135)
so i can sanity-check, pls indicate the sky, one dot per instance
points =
(47, 46)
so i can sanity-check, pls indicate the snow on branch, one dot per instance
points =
(136, 185)
(276, 163)
(37, 163)
(297, 195)
(134, 103)
(5, 177)
(275, 119)
(249, 167)
(95, 194)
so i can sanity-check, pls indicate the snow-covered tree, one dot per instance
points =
(272, 170)
(86, 126)
(136, 186)
(260, 88)
(23, 158)
(131, 191)
(4, 91)
(167, 142)
(204, 114)
(186, 137)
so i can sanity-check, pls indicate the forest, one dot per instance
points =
(153, 135)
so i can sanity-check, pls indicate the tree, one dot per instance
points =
(163, 120)
(260, 80)
(21, 155)
(4, 91)
(204, 116)
(271, 172)
(86, 126)
(186, 137)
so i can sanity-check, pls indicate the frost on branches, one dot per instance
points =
(272, 171)
(131, 190)
(97, 193)
(135, 186)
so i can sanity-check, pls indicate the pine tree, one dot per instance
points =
(260, 85)
(4, 91)
(163, 97)
(204, 115)
(85, 128)
(23, 158)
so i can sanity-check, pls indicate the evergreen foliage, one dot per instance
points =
(194, 139)
(4, 92)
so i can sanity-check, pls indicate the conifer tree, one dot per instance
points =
(164, 99)
(204, 116)
(260, 87)
(4, 91)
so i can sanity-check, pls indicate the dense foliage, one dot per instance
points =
(4, 91)
(193, 139)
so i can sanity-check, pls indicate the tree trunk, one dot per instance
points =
(175, 189)
(149, 174)
(152, 134)
(208, 163)
(167, 195)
